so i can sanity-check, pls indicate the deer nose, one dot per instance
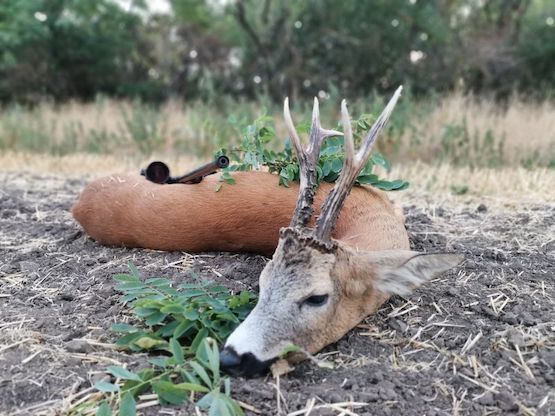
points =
(229, 359)
(246, 365)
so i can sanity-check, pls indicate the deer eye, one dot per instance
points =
(316, 300)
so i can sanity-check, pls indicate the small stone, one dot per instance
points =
(549, 358)
(29, 267)
(527, 319)
(387, 394)
(398, 325)
(376, 377)
(509, 318)
(72, 362)
(369, 396)
(66, 296)
(78, 346)
(486, 399)
(281, 367)
(515, 337)
(347, 385)
(482, 208)
(506, 401)
(548, 247)
(452, 292)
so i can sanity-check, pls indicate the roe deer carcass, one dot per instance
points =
(325, 276)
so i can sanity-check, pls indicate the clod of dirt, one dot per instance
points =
(486, 399)
(482, 208)
(78, 346)
(506, 401)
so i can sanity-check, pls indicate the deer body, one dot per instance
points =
(332, 266)
(128, 210)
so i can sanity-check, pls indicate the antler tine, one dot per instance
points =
(291, 127)
(352, 167)
(377, 127)
(308, 159)
(348, 143)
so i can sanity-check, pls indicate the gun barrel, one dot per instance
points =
(196, 175)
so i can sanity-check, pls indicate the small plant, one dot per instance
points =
(183, 326)
(462, 148)
(144, 125)
(255, 152)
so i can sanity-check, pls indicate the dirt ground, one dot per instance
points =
(478, 341)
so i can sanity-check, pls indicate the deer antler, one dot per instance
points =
(352, 167)
(308, 159)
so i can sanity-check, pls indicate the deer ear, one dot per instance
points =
(404, 278)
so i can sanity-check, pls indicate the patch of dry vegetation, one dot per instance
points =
(515, 185)
(458, 129)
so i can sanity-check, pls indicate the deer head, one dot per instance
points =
(315, 289)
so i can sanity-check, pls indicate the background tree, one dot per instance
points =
(204, 49)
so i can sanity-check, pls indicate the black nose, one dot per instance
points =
(246, 365)
(229, 359)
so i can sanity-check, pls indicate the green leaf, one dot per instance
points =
(159, 362)
(193, 387)
(129, 339)
(148, 342)
(378, 159)
(169, 392)
(122, 373)
(191, 314)
(219, 408)
(368, 179)
(209, 355)
(201, 372)
(124, 277)
(142, 312)
(182, 328)
(155, 318)
(206, 400)
(289, 349)
(103, 409)
(176, 351)
(124, 328)
(133, 270)
(127, 406)
(337, 165)
(203, 333)
(106, 387)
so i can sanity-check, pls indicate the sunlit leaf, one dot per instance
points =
(127, 406)
(122, 373)
(103, 409)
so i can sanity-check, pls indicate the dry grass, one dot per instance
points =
(526, 128)
(456, 128)
(516, 185)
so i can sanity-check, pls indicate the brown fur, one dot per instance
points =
(130, 211)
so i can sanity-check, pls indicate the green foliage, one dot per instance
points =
(142, 123)
(65, 48)
(255, 151)
(182, 328)
(115, 127)
(461, 147)
(206, 49)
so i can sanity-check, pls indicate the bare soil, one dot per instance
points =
(480, 340)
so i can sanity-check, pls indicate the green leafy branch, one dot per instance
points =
(255, 152)
(183, 326)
